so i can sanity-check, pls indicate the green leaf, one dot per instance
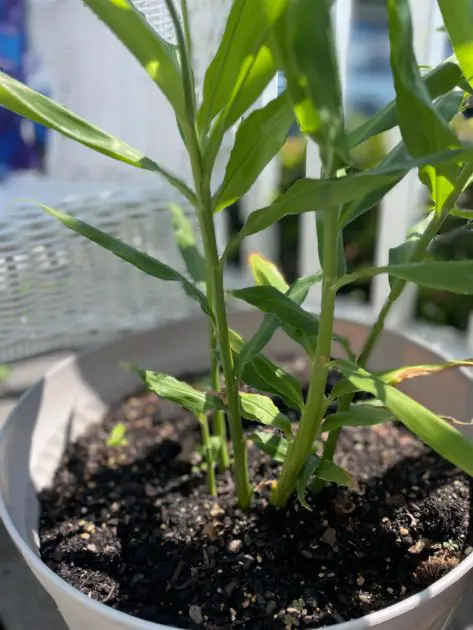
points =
(404, 252)
(117, 436)
(423, 130)
(186, 242)
(310, 465)
(308, 195)
(258, 139)
(435, 432)
(262, 409)
(462, 213)
(155, 55)
(394, 377)
(141, 261)
(264, 375)
(298, 293)
(179, 392)
(438, 81)
(242, 67)
(357, 416)
(298, 323)
(266, 272)
(455, 276)
(312, 73)
(447, 106)
(458, 18)
(24, 101)
(328, 471)
(272, 444)
(32, 105)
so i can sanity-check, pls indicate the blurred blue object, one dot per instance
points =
(370, 85)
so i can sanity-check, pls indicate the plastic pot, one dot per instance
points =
(76, 393)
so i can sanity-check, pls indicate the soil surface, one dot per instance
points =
(134, 527)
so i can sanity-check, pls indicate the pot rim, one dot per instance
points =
(361, 623)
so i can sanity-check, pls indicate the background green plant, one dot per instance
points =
(293, 36)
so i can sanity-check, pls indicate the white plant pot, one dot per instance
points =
(77, 392)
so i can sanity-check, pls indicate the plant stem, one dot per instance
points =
(214, 281)
(216, 293)
(220, 427)
(204, 427)
(312, 415)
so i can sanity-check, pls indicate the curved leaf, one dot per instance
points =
(258, 139)
(331, 472)
(141, 261)
(298, 293)
(447, 106)
(458, 19)
(357, 416)
(242, 66)
(403, 253)
(310, 465)
(155, 55)
(117, 436)
(262, 409)
(264, 375)
(313, 74)
(393, 377)
(187, 244)
(308, 195)
(423, 130)
(266, 272)
(179, 392)
(298, 323)
(32, 105)
(272, 444)
(455, 276)
(435, 432)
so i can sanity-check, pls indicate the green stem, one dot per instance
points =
(214, 281)
(312, 415)
(220, 428)
(204, 427)
(215, 289)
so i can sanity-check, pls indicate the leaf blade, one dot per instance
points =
(357, 416)
(187, 244)
(315, 195)
(259, 138)
(261, 409)
(154, 54)
(297, 292)
(423, 130)
(458, 19)
(180, 392)
(264, 375)
(455, 276)
(435, 432)
(237, 63)
(270, 443)
(147, 264)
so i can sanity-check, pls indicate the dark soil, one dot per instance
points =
(134, 528)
